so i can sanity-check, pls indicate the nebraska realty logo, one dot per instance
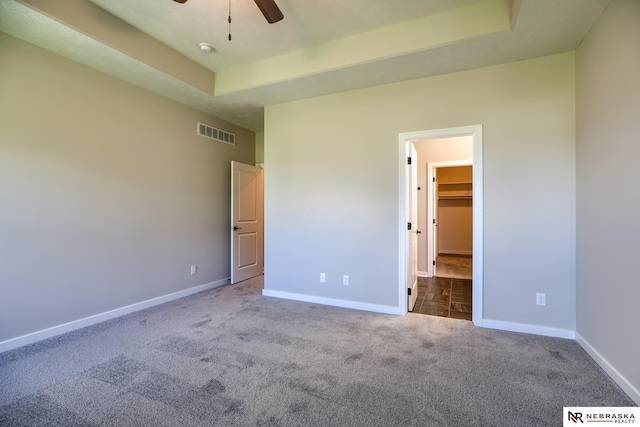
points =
(610, 415)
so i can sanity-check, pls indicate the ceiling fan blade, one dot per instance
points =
(270, 10)
(180, 1)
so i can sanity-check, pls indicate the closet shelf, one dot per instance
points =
(455, 190)
(455, 197)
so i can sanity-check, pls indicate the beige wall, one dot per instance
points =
(435, 150)
(332, 186)
(608, 206)
(455, 174)
(259, 148)
(107, 195)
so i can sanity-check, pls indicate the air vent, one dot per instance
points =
(215, 133)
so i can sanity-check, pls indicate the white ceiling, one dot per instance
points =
(306, 42)
(306, 23)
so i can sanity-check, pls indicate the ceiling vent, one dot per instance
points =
(215, 133)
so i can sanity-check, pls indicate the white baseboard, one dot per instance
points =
(423, 274)
(526, 328)
(454, 252)
(615, 375)
(91, 320)
(385, 309)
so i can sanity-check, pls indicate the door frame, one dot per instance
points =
(432, 205)
(406, 138)
(412, 211)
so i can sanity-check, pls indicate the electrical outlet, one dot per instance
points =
(345, 280)
(541, 299)
(323, 278)
(194, 269)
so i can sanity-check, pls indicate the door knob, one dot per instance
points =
(236, 228)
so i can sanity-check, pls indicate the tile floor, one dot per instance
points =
(445, 297)
(454, 266)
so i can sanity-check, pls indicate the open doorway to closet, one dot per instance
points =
(447, 288)
(450, 215)
(450, 222)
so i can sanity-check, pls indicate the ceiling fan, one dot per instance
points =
(269, 9)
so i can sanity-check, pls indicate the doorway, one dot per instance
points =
(450, 195)
(474, 134)
(447, 291)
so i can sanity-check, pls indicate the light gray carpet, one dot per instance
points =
(231, 357)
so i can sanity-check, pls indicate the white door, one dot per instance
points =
(412, 236)
(246, 222)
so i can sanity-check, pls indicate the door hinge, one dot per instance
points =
(434, 179)
(434, 263)
(408, 160)
(434, 220)
(409, 291)
(408, 226)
